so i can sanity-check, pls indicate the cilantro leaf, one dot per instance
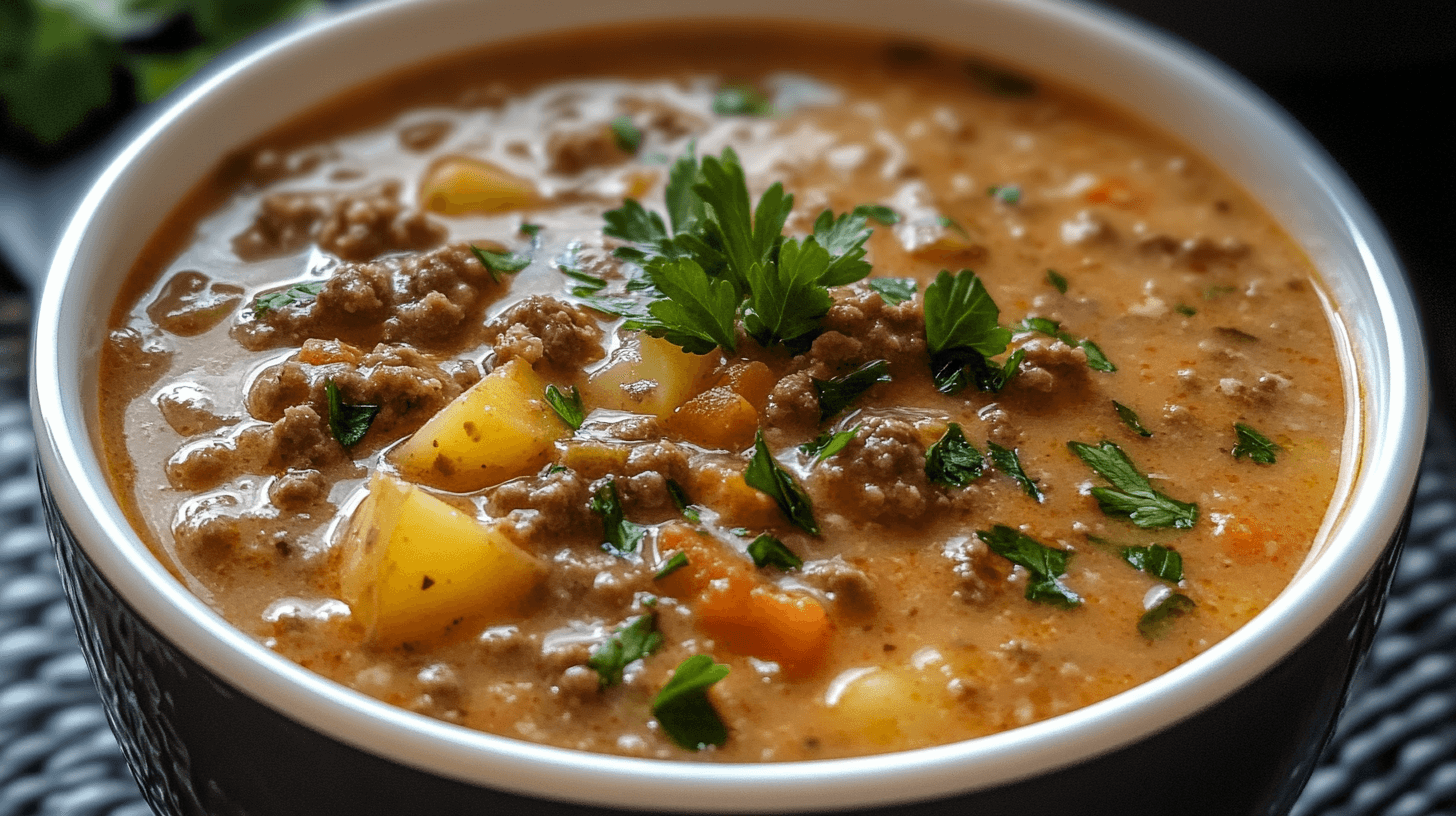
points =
(893, 291)
(623, 536)
(767, 551)
(827, 444)
(567, 406)
(1009, 463)
(1129, 418)
(673, 564)
(1131, 494)
(765, 474)
(953, 461)
(295, 295)
(1058, 282)
(348, 423)
(962, 333)
(682, 707)
(698, 312)
(1254, 445)
(681, 502)
(844, 238)
(1157, 561)
(631, 641)
(877, 212)
(1044, 565)
(785, 300)
(741, 100)
(494, 262)
(626, 134)
(1156, 622)
(836, 393)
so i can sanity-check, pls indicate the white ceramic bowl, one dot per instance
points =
(213, 722)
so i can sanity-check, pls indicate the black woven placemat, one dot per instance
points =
(1394, 753)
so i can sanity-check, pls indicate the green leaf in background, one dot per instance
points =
(54, 69)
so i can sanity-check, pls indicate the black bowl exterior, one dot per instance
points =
(198, 745)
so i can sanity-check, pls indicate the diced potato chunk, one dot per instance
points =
(891, 707)
(416, 570)
(716, 418)
(499, 429)
(647, 375)
(457, 185)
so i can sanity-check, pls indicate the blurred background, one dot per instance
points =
(1368, 79)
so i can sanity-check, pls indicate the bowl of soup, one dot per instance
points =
(990, 405)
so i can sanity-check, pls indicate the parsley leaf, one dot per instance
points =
(567, 406)
(1131, 494)
(681, 502)
(1005, 193)
(741, 100)
(953, 461)
(494, 262)
(1254, 445)
(1009, 463)
(1096, 360)
(698, 312)
(1157, 561)
(893, 291)
(844, 238)
(765, 474)
(1185, 310)
(295, 295)
(767, 551)
(1129, 418)
(635, 223)
(745, 238)
(785, 299)
(962, 333)
(878, 212)
(1156, 622)
(631, 641)
(837, 393)
(626, 134)
(348, 423)
(673, 564)
(531, 230)
(827, 444)
(1056, 280)
(1044, 565)
(623, 536)
(682, 707)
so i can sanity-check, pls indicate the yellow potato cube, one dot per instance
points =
(457, 185)
(416, 570)
(501, 428)
(890, 707)
(648, 375)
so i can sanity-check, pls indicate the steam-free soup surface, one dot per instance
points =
(899, 508)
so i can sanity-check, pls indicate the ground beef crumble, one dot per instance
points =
(878, 476)
(355, 227)
(541, 327)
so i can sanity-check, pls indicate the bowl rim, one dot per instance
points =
(1389, 450)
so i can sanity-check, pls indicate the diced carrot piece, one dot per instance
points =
(752, 380)
(706, 561)
(737, 504)
(1250, 542)
(716, 418)
(792, 630)
(322, 352)
(1114, 191)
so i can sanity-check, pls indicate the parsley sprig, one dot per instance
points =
(953, 461)
(683, 709)
(348, 423)
(622, 536)
(766, 474)
(567, 405)
(1008, 462)
(828, 443)
(1132, 496)
(631, 641)
(962, 334)
(1254, 445)
(768, 551)
(1044, 565)
(836, 394)
(296, 295)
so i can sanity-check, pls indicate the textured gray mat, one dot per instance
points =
(1394, 753)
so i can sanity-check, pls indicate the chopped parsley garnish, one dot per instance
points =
(786, 299)
(1058, 282)
(951, 224)
(741, 100)
(1157, 561)
(1096, 360)
(1009, 463)
(1129, 418)
(626, 134)
(348, 423)
(827, 444)
(698, 311)
(1044, 565)
(836, 394)
(1156, 622)
(681, 502)
(1005, 193)
(529, 229)
(623, 536)
(1254, 445)
(682, 707)
(879, 213)
(673, 564)
(893, 291)
(1218, 291)
(767, 551)
(587, 285)
(953, 461)
(1185, 310)
(631, 641)
(962, 334)
(1132, 495)
(566, 405)
(496, 262)
(844, 239)
(765, 474)
(295, 295)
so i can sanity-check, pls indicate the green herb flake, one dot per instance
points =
(348, 423)
(495, 262)
(827, 444)
(893, 291)
(1009, 194)
(531, 230)
(681, 502)
(1132, 496)
(623, 536)
(1217, 291)
(682, 707)
(953, 461)
(767, 551)
(1009, 463)
(295, 295)
(1185, 310)
(951, 224)
(673, 564)
(566, 405)
(1129, 418)
(1096, 360)
(741, 99)
(765, 474)
(631, 641)
(626, 134)
(698, 312)
(1157, 561)
(1057, 281)
(1158, 621)
(837, 393)
(962, 333)
(1044, 565)
(879, 213)
(1254, 445)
